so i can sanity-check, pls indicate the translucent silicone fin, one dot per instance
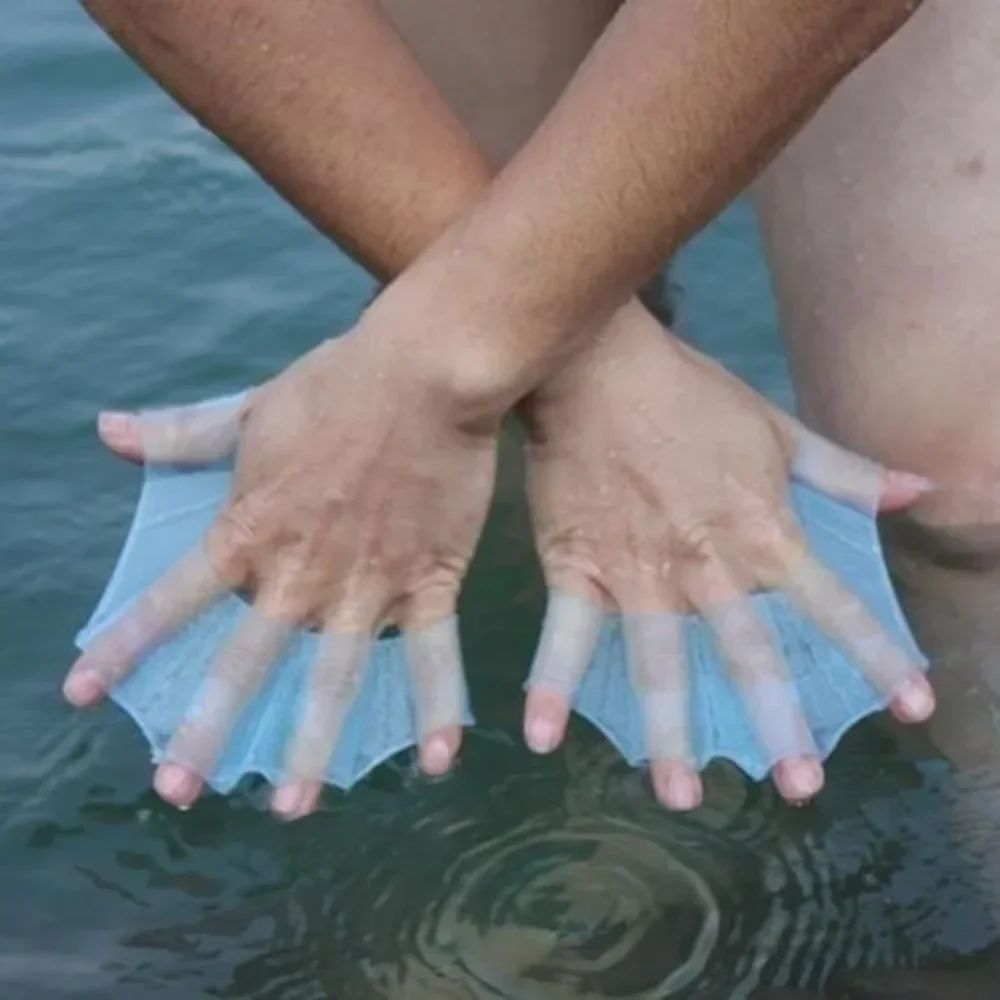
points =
(819, 674)
(392, 697)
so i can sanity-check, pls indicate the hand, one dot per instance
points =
(356, 503)
(658, 485)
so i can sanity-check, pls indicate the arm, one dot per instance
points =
(672, 114)
(325, 102)
(330, 107)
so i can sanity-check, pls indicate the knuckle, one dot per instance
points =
(693, 541)
(353, 614)
(444, 573)
(576, 567)
(428, 605)
(239, 527)
(569, 560)
(231, 544)
(763, 533)
(772, 538)
(289, 604)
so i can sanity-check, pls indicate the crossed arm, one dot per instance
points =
(671, 115)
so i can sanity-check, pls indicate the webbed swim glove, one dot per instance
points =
(756, 682)
(303, 706)
(770, 677)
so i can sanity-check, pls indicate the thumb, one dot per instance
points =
(902, 489)
(196, 434)
(845, 474)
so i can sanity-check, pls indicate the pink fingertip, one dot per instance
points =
(677, 787)
(120, 432)
(177, 785)
(295, 801)
(438, 750)
(542, 734)
(901, 489)
(83, 688)
(546, 717)
(435, 756)
(799, 779)
(915, 701)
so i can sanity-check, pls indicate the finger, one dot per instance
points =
(850, 477)
(763, 678)
(844, 617)
(333, 686)
(434, 659)
(183, 592)
(232, 681)
(658, 671)
(902, 489)
(200, 433)
(565, 650)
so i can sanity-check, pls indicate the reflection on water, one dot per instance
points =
(538, 897)
(515, 878)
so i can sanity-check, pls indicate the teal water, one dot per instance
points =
(141, 263)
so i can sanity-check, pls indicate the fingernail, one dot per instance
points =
(802, 779)
(116, 428)
(912, 482)
(83, 687)
(289, 801)
(542, 735)
(437, 756)
(111, 421)
(682, 791)
(175, 784)
(915, 700)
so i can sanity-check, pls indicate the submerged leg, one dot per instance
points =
(882, 224)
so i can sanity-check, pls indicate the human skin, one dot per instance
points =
(882, 221)
(596, 200)
(292, 98)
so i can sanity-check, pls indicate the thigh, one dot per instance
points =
(501, 64)
(882, 226)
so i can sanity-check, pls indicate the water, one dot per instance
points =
(141, 263)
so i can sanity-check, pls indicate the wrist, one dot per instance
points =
(626, 350)
(434, 359)
(459, 332)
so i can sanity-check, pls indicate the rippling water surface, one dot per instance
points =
(141, 263)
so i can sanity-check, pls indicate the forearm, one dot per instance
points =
(672, 114)
(325, 102)
(266, 78)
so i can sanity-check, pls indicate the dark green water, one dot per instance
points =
(141, 264)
